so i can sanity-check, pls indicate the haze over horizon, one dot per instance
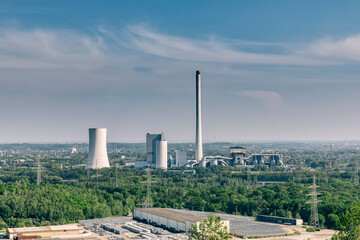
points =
(271, 70)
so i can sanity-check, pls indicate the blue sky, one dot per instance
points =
(272, 70)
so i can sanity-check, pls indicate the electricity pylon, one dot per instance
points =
(314, 218)
(116, 173)
(38, 178)
(148, 201)
(356, 174)
(148, 195)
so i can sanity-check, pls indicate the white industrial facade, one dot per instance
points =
(97, 157)
(166, 218)
(169, 219)
(161, 154)
(156, 150)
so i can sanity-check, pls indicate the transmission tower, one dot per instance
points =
(356, 170)
(356, 174)
(116, 173)
(314, 218)
(331, 156)
(38, 178)
(97, 176)
(148, 201)
(248, 180)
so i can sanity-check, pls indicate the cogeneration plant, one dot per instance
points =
(156, 151)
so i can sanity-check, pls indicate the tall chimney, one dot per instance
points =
(198, 141)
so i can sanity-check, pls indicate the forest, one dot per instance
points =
(69, 195)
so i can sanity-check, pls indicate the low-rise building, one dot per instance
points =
(170, 219)
(45, 232)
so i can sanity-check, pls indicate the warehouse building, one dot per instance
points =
(169, 219)
(46, 231)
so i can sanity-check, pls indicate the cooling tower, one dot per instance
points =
(161, 154)
(198, 141)
(97, 157)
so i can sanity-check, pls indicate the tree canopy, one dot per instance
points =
(211, 228)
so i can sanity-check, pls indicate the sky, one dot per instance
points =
(271, 70)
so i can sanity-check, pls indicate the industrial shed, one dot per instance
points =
(169, 219)
(44, 232)
(280, 220)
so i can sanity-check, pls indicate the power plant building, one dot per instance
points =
(238, 155)
(156, 151)
(97, 157)
(180, 158)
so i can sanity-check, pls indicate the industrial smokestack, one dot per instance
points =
(198, 141)
(97, 157)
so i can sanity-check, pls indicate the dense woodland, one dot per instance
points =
(68, 195)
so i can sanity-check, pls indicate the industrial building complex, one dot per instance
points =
(164, 224)
(157, 223)
(157, 151)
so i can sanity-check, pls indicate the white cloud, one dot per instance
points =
(212, 50)
(270, 98)
(347, 48)
(64, 49)
(50, 49)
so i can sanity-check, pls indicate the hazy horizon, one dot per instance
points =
(348, 141)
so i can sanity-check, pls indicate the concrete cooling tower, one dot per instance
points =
(97, 157)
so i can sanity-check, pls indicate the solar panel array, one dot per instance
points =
(241, 225)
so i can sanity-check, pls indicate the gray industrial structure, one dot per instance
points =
(97, 157)
(239, 158)
(156, 151)
(238, 155)
(180, 158)
(208, 161)
(271, 160)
